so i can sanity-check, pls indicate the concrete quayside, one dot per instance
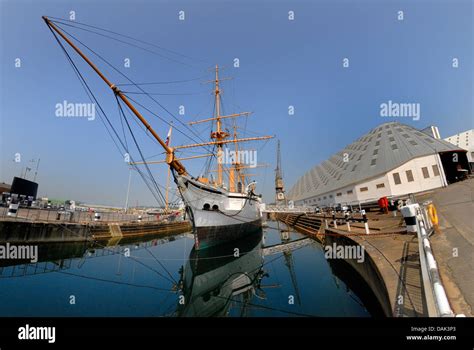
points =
(395, 259)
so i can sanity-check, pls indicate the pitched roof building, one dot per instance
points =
(391, 159)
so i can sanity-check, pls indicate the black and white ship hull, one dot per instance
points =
(219, 216)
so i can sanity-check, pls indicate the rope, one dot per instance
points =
(129, 37)
(101, 110)
(128, 43)
(141, 155)
(164, 82)
(164, 94)
(148, 95)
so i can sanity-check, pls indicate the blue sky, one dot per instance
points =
(282, 63)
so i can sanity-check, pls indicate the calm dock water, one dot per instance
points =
(166, 277)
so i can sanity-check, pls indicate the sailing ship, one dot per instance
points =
(219, 211)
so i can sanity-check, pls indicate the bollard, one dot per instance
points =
(409, 215)
(366, 223)
(96, 216)
(334, 219)
(326, 223)
(346, 216)
(139, 218)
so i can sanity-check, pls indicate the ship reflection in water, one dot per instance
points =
(272, 273)
(214, 278)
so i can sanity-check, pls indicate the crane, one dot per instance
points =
(279, 187)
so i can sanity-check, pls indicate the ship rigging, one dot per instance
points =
(220, 211)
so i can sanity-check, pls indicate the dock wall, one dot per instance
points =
(368, 270)
(27, 231)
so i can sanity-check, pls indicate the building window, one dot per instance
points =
(373, 162)
(409, 176)
(330, 196)
(339, 194)
(394, 147)
(382, 185)
(349, 192)
(364, 189)
(375, 151)
(425, 172)
(396, 178)
(324, 197)
(435, 170)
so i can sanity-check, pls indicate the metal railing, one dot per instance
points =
(287, 209)
(417, 219)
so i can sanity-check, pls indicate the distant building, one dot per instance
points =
(24, 187)
(464, 140)
(392, 159)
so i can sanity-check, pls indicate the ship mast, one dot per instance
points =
(218, 135)
(234, 171)
(170, 158)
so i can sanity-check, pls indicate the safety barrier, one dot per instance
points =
(422, 219)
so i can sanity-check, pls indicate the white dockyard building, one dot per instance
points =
(391, 160)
